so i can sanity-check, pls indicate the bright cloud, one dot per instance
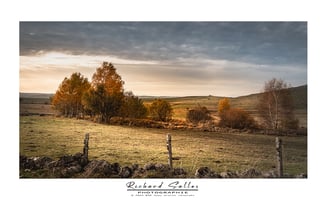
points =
(166, 58)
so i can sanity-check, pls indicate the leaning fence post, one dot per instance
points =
(86, 146)
(169, 149)
(279, 157)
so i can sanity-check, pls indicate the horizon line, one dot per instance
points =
(169, 96)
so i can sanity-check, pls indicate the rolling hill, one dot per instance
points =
(181, 104)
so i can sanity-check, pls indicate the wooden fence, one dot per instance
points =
(169, 149)
(278, 154)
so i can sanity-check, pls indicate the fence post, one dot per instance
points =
(169, 149)
(279, 157)
(86, 146)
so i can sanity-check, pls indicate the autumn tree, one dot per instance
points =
(223, 107)
(68, 97)
(132, 106)
(234, 117)
(276, 105)
(198, 114)
(160, 110)
(105, 97)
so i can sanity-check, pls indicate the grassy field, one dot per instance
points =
(55, 137)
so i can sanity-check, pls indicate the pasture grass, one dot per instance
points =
(55, 137)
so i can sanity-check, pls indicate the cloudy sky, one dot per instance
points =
(166, 58)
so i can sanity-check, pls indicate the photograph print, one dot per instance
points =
(163, 99)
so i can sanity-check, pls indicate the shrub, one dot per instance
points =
(133, 107)
(237, 118)
(160, 110)
(198, 114)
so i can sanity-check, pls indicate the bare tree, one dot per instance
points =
(276, 104)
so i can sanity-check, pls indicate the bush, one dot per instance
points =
(160, 110)
(237, 118)
(133, 107)
(198, 114)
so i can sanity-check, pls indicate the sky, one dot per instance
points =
(166, 58)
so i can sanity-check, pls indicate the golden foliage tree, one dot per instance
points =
(105, 97)
(68, 97)
(107, 76)
(224, 105)
(234, 117)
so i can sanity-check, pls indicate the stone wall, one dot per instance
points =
(77, 166)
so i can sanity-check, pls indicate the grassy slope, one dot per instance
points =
(248, 103)
(54, 137)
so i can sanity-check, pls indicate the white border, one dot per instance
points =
(151, 10)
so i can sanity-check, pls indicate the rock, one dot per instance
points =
(115, 168)
(74, 169)
(139, 173)
(34, 163)
(27, 163)
(126, 172)
(79, 157)
(72, 160)
(162, 167)
(250, 173)
(51, 164)
(150, 166)
(22, 161)
(301, 176)
(66, 161)
(202, 172)
(135, 167)
(42, 162)
(229, 174)
(205, 172)
(68, 172)
(179, 172)
(97, 168)
(270, 174)
(27, 170)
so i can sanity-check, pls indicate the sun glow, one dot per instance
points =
(44, 72)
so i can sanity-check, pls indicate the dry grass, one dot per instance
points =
(54, 137)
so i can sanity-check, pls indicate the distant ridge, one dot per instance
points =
(300, 96)
(299, 93)
(35, 95)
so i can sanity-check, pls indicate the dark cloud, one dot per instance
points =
(173, 58)
(275, 43)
